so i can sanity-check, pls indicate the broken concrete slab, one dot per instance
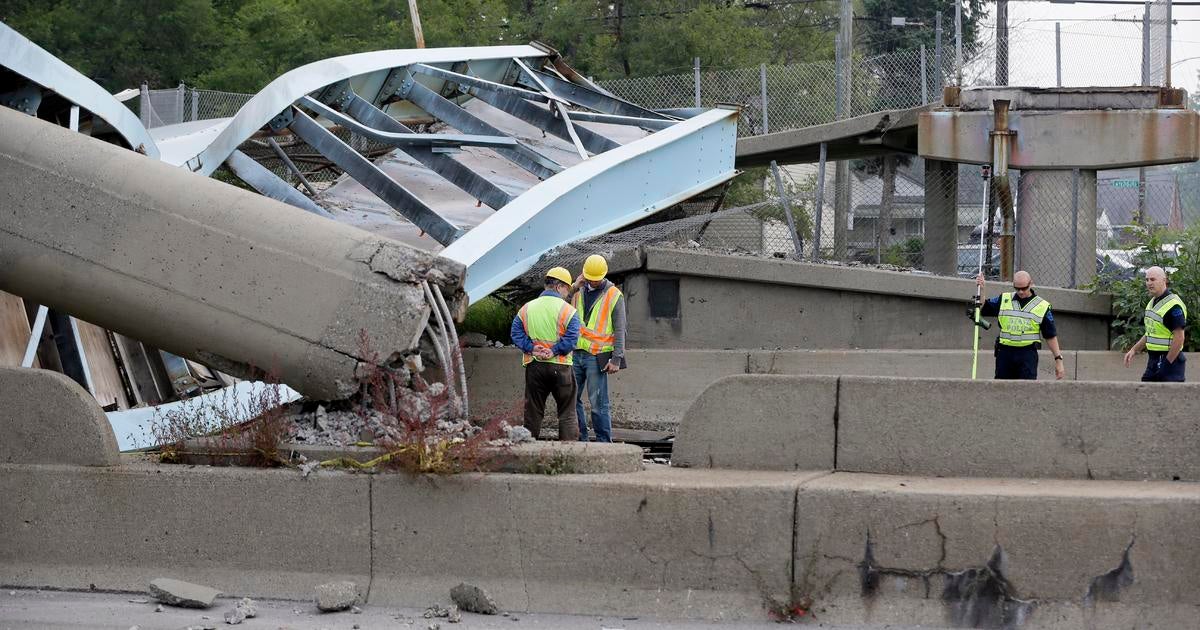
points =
(337, 596)
(245, 609)
(49, 419)
(183, 594)
(761, 422)
(102, 232)
(471, 598)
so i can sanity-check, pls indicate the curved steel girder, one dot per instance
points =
(290, 87)
(599, 195)
(31, 61)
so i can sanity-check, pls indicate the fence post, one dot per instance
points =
(144, 107)
(819, 206)
(762, 79)
(958, 42)
(195, 105)
(1058, 53)
(1146, 45)
(937, 54)
(179, 97)
(797, 244)
(1074, 224)
(696, 79)
(924, 78)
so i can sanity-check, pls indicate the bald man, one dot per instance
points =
(1165, 319)
(1025, 320)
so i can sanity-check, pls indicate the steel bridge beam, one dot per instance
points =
(373, 179)
(268, 184)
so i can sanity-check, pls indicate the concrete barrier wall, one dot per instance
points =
(261, 533)
(46, 417)
(949, 427)
(667, 542)
(877, 549)
(660, 385)
(761, 423)
(740, 301)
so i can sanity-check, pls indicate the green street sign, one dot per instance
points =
(1124, 183)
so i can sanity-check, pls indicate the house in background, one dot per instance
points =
(1118, 206)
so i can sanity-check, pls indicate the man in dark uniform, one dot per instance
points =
(1025, 320)
(1165, 319)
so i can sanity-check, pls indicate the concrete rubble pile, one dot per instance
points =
(349, 427)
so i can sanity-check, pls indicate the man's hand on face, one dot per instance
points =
(578, 282)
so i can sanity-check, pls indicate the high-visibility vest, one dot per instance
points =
(545, 320)
(596, 334)
(1021, 326)
(1158, 336)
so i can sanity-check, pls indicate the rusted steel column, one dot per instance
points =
(203, 269)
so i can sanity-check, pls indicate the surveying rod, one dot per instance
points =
(987, 184)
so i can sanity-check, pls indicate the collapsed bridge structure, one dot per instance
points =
(142, 243)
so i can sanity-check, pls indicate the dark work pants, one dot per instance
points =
(1159, 371)
(1016, 363)
(544, 379)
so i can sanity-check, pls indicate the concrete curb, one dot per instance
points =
(48, 418)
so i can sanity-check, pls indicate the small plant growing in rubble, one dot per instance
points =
(220, 428)
(432, 436)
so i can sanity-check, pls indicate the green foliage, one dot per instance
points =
(756, 185)
(910, 253)
(492, 317)
(240, 45)
(1129, 295)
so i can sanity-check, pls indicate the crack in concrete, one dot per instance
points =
(513, 520)
(371, 537)
(1107, 587)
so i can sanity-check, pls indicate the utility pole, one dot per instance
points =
(1167, 61)
(843, 85)
(415, 14)
(1001, 42)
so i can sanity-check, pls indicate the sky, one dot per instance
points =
(1096, 50)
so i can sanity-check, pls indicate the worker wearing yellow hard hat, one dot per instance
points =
(546, 329)
(600, 350)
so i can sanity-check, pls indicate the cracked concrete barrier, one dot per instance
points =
(200, 268)
(670, 543)
(653, 393)
(46, 418)
(999, 553)
(761, 422)
(249, 532)
(963, 428)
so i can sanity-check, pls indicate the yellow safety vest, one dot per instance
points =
(1158, 336)
(1021, 326)
(545, 320)
(596, 334)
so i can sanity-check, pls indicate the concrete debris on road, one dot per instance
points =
(517, 434)
(473, 599)
(336, 596)
(183, 594)
(244, 610)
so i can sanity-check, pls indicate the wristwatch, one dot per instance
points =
(1058, 358)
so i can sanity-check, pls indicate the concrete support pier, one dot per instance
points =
(941, 217)
(1056, 219)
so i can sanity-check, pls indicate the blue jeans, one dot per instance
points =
(588, 372)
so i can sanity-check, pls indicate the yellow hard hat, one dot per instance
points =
(595, 267)
(560, 273)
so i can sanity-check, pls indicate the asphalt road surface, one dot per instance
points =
(54, 610)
